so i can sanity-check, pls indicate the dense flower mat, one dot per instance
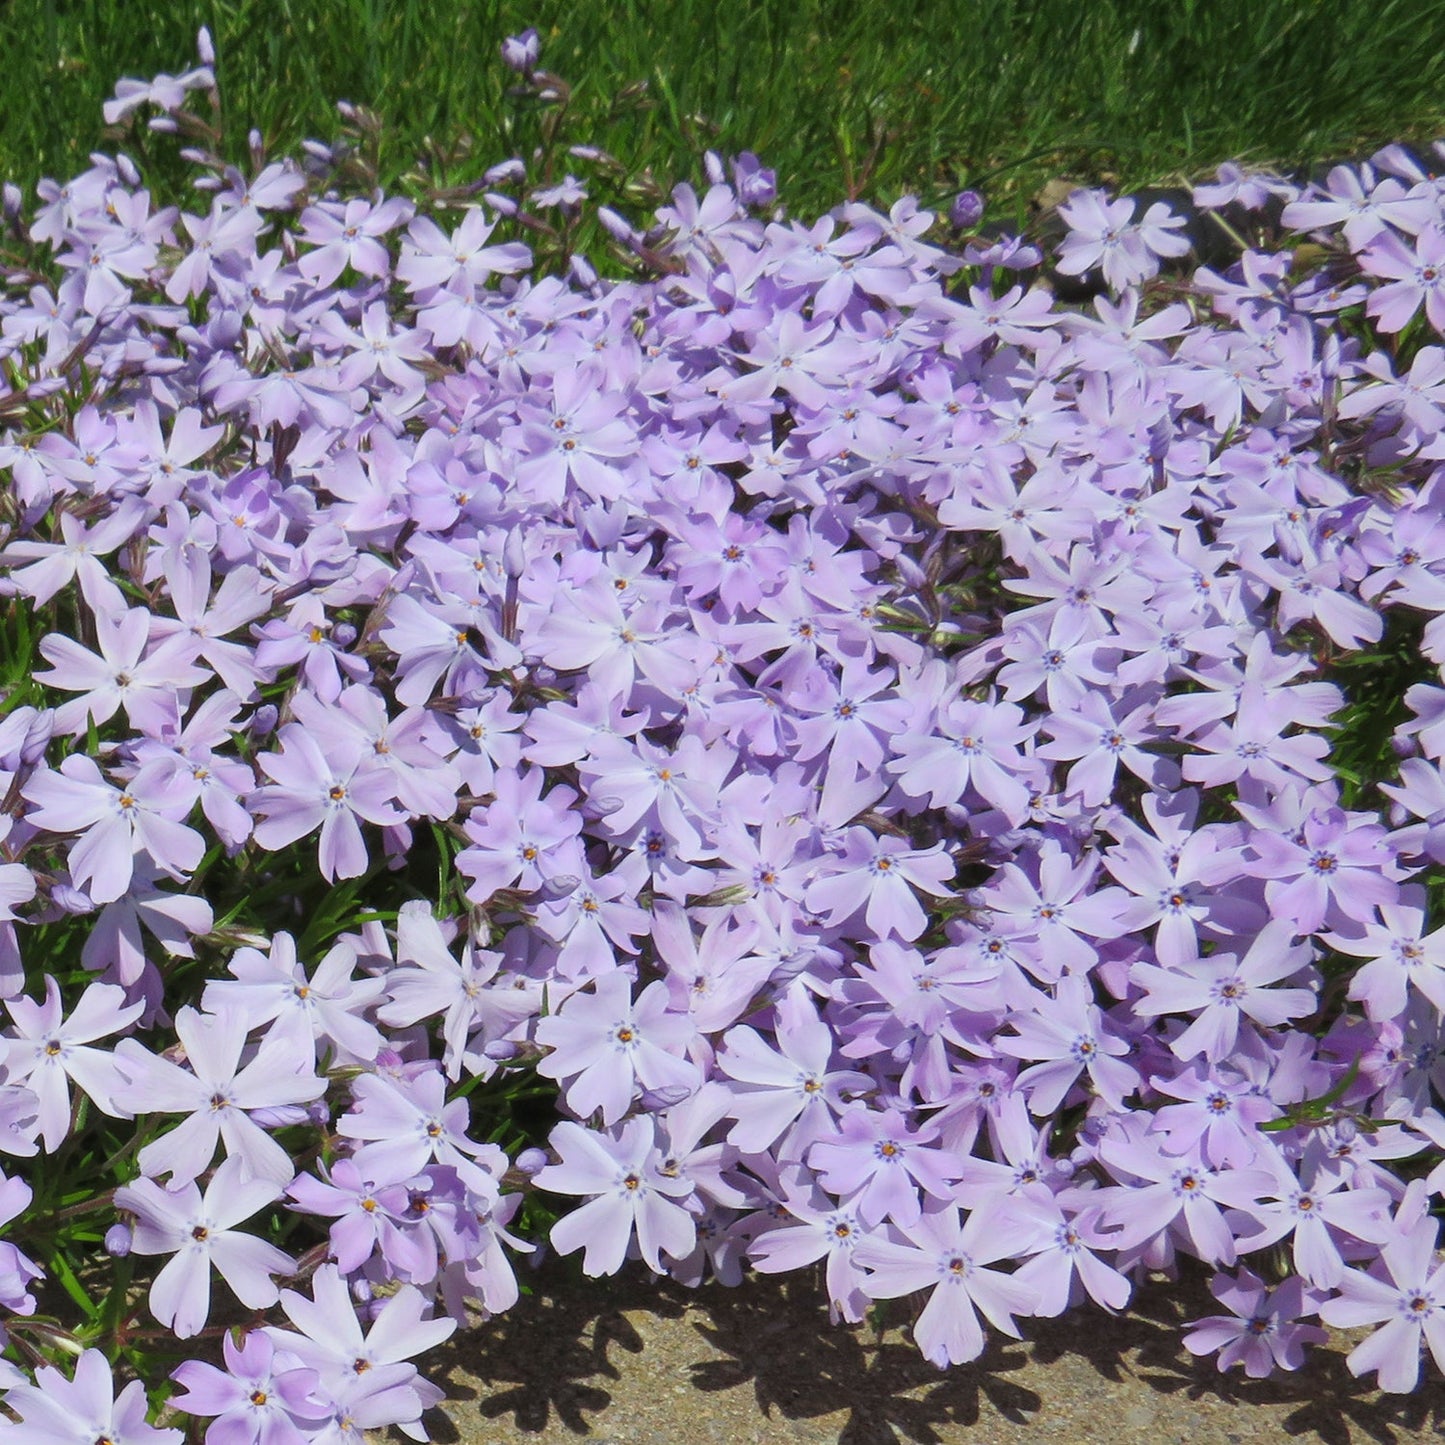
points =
(933, 781)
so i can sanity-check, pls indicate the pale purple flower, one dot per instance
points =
(409, 1123)
(628, 1193)
(49, 1050)
(217, 1094)
(198, 1231)
(1225, 988)
(353, 1363)
(1260, 1332)
(1404, 1293)
(1399, 955)
(1063, 1038)
(147, 682)
(370, 1214)
(949, 1256)
(114, 823)
(786, 1092)
(82, 1409)
(606, 1047)
(807, 1226)
(881, 1164)
(878, 875)
(264, 1396)
(334, 789)
(475, 1008)
(330, 1002)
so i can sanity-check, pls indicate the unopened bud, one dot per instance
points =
(70, 899)
(616, 225)
(966, 211)
(713, 168)
(504, 171)
(584, 273)
(264, 720)
(522, 52)
(205, 46)
(514, 553)
(37, 737)
(754, 182)
(279, 1116)
(118, 1241)
(531, 1161)
(343, 634)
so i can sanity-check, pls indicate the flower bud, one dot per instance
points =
(205, 46)
(343, 634)
(70, 899)
(37, 737)
(514, 553)
(264, 720)
(279, 1116)
(966, 211)
(118, 1241)
(617, 226)
(755, 184)
(521, 52)
(504, 171)
(584, 273)
(531, 1161)
(713, 168)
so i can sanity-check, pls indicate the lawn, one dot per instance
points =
(842, 98)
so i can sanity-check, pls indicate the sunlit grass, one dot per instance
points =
(856, 97)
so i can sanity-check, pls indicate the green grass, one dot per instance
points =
(861, 97)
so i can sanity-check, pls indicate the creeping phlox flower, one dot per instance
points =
(899, 755)
(197, 1231)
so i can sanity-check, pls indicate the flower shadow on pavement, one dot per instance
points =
(555, 1366)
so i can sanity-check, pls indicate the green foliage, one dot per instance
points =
(842, 97)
